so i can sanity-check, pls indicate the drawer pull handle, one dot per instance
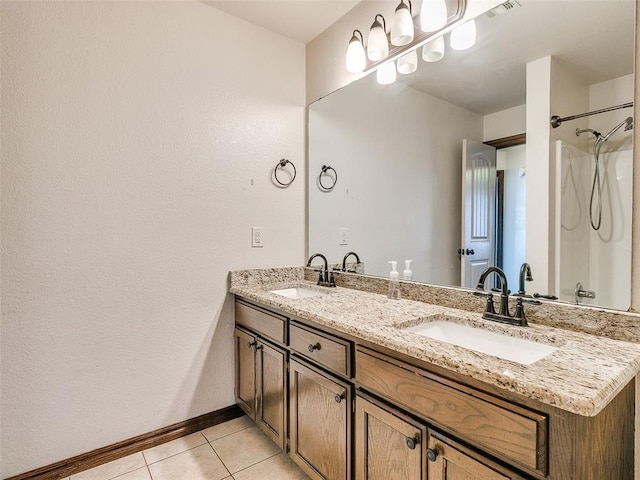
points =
(252, 344)
(432, 454)
(412, 442)
(259, 347)
(338, 398)
(313, 347)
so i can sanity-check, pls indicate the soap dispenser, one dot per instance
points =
(407, 273)
(394, 281)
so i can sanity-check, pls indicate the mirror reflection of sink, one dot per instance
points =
(480, 340)
(297, 292)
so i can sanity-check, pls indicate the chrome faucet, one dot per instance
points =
(344, 261)
(325, 278)
(504, 316)
(525, 274)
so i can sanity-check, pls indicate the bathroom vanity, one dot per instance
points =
(339, 380)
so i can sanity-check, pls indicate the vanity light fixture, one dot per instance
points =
(404, 37)
(434, 50)
(356, 57)
(464, 36)
(402, 26)
(408, 63)
(377, 43)
(386, 73)
(433, 15)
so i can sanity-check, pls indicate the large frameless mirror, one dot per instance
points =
(398, 152)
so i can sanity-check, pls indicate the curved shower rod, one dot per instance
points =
(556, 121)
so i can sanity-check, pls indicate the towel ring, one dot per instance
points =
(281, 164)
(324, 170)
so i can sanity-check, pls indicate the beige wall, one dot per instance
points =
(137, 144)
(505, 123)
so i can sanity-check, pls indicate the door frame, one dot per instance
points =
(499, 144)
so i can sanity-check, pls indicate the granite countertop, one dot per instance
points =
(582, 376)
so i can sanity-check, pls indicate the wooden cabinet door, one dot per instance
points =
(451, 461)
(320, 432)
(388, 444)
(271, 394)
(244, 346)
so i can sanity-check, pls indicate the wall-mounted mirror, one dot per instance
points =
(397, 150)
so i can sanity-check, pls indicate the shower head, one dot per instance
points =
(627, 122)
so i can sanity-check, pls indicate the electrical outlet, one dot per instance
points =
(343, 236)
(257, 237)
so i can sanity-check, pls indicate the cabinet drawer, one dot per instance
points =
(496, 426)
(266, 323)
(324, 349)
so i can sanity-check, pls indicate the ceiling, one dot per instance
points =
(299, 20)
(595, 37)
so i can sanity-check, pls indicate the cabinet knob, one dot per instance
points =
(313, 347)
(259, 347)
(252, 344)
(412, 442)
(432, 454)
(338, 398)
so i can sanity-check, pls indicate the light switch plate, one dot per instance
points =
(343, 236)
(257, 237)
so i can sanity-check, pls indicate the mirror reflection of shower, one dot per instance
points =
(595, 217)
(594, 255)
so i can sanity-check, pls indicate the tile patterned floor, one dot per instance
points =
(234, 450)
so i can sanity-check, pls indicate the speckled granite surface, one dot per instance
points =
(582, 376)
(613, 324)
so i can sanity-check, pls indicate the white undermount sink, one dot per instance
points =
(480, 340)
(297, 292)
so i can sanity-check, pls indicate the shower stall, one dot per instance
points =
(593, 218)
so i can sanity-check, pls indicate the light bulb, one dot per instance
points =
(356, 59)
(386, 73)
(434, 50)
(377, 45)
(433, 15)
(408, 63)
(402, 28)
(464, 36)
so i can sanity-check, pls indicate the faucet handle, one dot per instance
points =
(546, 297)
(320, 273)
(489, 307)
(529, 301)
(519, 315)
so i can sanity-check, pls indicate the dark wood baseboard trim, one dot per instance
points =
(121, 449)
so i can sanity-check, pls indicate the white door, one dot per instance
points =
(478, 210)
